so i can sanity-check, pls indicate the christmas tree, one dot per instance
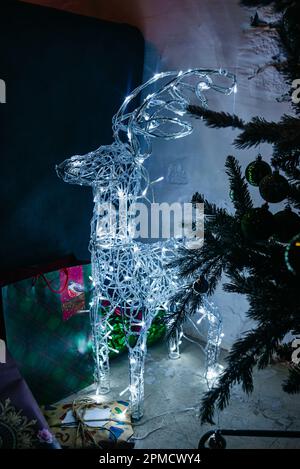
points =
(258, 251)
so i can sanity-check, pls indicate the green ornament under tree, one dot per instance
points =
(274, 188)
(287, 224)
(257, 170)
(258, 223)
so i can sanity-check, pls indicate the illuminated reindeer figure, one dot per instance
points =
(129, 276)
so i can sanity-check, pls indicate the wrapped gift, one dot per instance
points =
(88, 424)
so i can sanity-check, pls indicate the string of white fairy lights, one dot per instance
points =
(130, 277)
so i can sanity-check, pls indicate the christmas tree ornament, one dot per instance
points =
(217, 441)
(287, 224)
(258, 223)
(128, 274)
(292, 255)
(274, 188)
(257, 170)
(201, 285)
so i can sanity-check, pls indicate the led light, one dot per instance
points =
(212, 374)
(121, 194)
(96, 397)
(203, 86)
(124, 391)
(122, 415)
(141, 324)
(149, 96)
(107, 336)
(158, 180)
(127, 99)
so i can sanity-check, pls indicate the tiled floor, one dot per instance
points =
(172, 386)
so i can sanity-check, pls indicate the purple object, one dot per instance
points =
(30, 430)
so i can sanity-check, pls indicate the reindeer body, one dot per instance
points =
(128, 275)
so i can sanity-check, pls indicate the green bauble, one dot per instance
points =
(292, 255)
(257, 170)
(287, 225)
(274, 188)
(258, 224)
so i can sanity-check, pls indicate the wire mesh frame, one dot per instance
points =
(130, 276)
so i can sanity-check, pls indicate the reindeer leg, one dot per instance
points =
(100, 331)
(212, 349)
(174, 345)
(137, 356)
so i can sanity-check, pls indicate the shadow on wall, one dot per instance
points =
(65, 76)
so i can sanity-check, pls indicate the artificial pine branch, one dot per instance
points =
(183, 303)
(241, 198)
(216, 119)
(284, 135)
(287, 161)
(210, 209)
(292, 384)
(257, 131)
(294, 195)
(244, 355)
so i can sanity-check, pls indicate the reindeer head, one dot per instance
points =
(111, 170)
